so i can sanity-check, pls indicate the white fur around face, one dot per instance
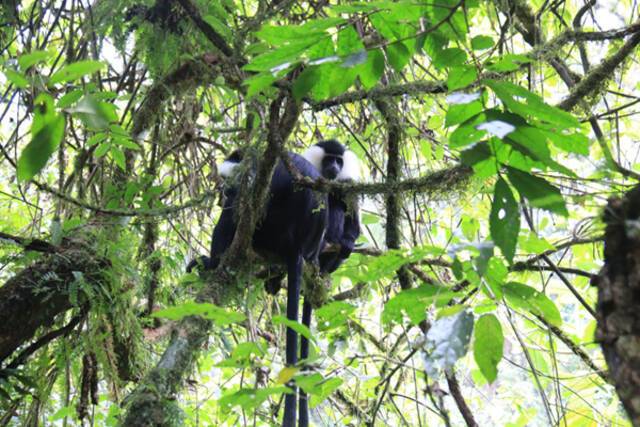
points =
(350, 163)
(314, 155)
(350, 167)
(225, 169)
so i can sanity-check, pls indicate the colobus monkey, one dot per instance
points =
(343, 226)
(298, 223)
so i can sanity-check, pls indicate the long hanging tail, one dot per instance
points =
(294, 274)
(304, 354)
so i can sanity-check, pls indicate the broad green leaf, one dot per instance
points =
(218, 315)
(102, 149)
(258, 83)
(305, 82)
(488, 345)
(481, 42)
(520, 101)
(504, 220)
(94, 113)
(447, 341)
(459, 113)
(371, 71)
(249, 399)
(468, 133)
(317, 387)
(333, 315)
(17, 78)
(74, 71)
(509, 62)
(29, 59)
(533, 143)
(527, 298)
(70, 98)
(476, 154)
(398, 55)
(450, 57)
(494, 277)
(414, 303)
(360, 268)
(283, 34)
(538, 191)
(118, 157)
(283, 57)
(460, 77)
(572, 143)
(530, 243)
(349, 42)
(296, 326)
(125, 143)
(47, 130)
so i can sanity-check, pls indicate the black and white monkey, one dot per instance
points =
(296, 226)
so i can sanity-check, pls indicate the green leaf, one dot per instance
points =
(333, 315)
(520, 101)
(47, 130)
(398, 55)
(283, 34)
(74, 71)
(414, 303)
(527, 298)
(249, 399)
(305, 82)
(102, 149)
(17, 78)
(125, 143)
(296, 326)
(476, 154)
(459, 113)
(571, 143)
(94, 113)
(118, 157)
(538, 191)
(447, 340)
(349, 42)
(317, 387)
(69, 98)
(212, 312)
(371, 71)
(508, 62)
(467, 133)
(259, 83)
(481, 42)
(450, 57)
(243, 355)
(461, 76)
(504, 220)
(284, 57)
(29, 59)
(488, 345)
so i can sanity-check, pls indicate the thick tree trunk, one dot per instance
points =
(619, 299)
(36, 295)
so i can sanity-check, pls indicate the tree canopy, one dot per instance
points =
(496, 278)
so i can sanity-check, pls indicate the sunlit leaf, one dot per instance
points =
(47, 130)
(74, 71)
(488, 345)
(528, 298)
(212, 312)
(504, 221)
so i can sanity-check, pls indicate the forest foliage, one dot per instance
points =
(490, 134)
